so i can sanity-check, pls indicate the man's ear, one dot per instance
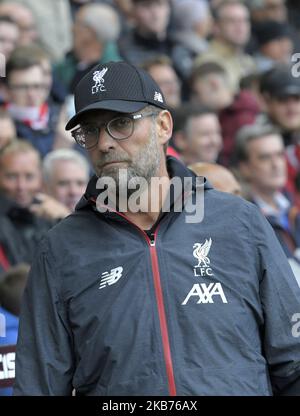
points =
(164, 126)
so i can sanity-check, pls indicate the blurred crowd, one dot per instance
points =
(229, 70)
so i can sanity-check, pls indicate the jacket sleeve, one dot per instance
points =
(44, 360)
(280, 299)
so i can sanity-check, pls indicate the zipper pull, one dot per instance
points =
(152, 240)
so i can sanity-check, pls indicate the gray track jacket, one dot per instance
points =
(197, 309)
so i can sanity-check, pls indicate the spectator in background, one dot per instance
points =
(261, 161)
(200, 139)
(122, 7)
(24, 18)
(280, 93)
(275, 45)
(12, 285)
(210, 87)
(231, 35)
(150, 34)
(53, 24)
(220, 177)
(262, 10)
(55, 91)
(9, 36)
(65, 176)
(96, 29)
(20, 185)
(20, 172)
(20, 180)
(192, 25)
(36, 118)
(7, 129)
(275, 10)
(161, 70)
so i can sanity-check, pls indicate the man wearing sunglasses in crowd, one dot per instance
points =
(127, 297)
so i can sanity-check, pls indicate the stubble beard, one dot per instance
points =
(144, 165)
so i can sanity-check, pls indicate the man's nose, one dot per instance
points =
(75, 189)
(21, 183)
(105, 141)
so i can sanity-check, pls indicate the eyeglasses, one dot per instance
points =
(27, 87)
(119, 128)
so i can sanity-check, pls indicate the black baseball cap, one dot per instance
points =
(115, 86)
(279, 82)
(270, 30)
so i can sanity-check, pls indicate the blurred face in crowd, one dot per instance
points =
(275, 10)
(9, 35)
(270, 10)
(203, 140)
(266, 164)
(20, 176)
(234, 25)
(285, 112)
(212, 91)
(67, 182)
(27, 87)
(152, 16)
(7, 131)
(24, 19)
(168, 81)
(85, 42)
(28, 32)
(279, 50)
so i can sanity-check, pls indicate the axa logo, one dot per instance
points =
(205, 293)
(202, 268)
(110, 278)
(98, 77)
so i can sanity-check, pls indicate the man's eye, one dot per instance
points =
(121, 123)
(89, 131)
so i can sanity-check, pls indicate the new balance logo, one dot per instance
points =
(111, 278)
(158, 97)
(205, 293)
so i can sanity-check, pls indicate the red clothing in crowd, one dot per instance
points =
(242, 111)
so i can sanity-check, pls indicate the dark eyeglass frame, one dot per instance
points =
(79, 131)
(27, 87)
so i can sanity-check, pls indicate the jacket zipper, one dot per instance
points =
(4, 262)
(160, 305)
(161, 313)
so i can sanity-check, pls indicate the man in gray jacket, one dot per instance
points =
(149, 301)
